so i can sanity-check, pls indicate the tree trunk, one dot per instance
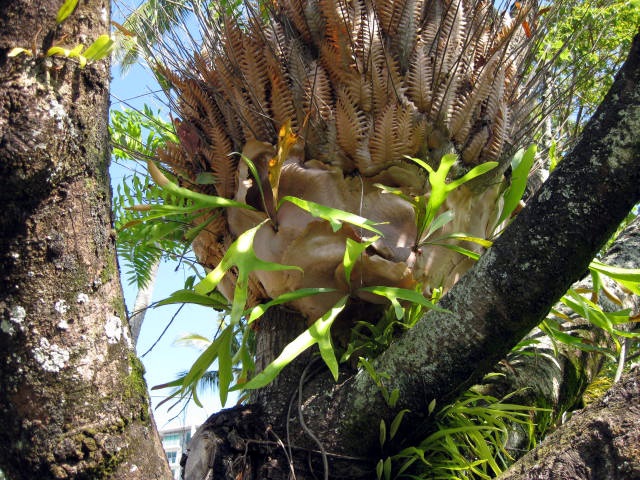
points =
(275, 330)
(74, 403)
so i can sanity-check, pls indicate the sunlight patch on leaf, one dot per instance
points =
(334, 216)
(241, 255)
(352, 252)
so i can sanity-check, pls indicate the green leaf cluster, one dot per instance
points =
(469, 440)
(585, 43)
(427, 209)
(138, 134)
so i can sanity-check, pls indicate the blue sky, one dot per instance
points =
(166, 359)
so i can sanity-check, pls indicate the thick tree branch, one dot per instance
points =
(513, 286)
(556, 375)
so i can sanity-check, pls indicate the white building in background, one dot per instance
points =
(174, 443)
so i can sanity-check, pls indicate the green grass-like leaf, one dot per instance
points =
(469, 440)
(65, 10)
(627, 277)
(520, 166)
(318, 333)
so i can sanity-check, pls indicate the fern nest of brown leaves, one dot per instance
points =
(363, 84)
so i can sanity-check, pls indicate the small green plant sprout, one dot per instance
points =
(383, 469)
(426, 210)
(391, 398)
(554, 159)
(521, 165)
(370, 339)
(14, 52)
(65, 10)
(98, 50)
(394, 295)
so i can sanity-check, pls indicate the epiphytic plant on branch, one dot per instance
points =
(361, 85)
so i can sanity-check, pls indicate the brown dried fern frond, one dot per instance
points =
(500, 129)
(294, 10)
(384, 142)
(221, 162)
(282, 108)
(318, 95)
(471, 153)
(173, 155)
(351, 123)
(320, 61)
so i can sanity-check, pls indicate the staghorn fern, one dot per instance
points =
(363, 84)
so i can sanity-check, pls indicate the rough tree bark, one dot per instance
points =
(601, 441)
(73, 401)
(558, 374)
(511, 288)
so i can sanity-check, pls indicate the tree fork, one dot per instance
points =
(505, 295)
(74, 403)
(513, 285)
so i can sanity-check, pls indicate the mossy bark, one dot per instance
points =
(73, 402)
